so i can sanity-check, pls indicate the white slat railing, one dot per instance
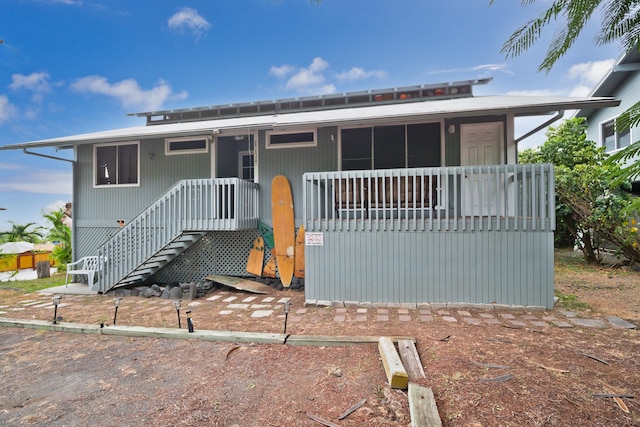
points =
(193, 205)
(465, 198)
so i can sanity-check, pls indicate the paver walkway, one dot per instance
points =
(231, 304)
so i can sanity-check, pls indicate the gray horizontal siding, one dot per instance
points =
(514, 268)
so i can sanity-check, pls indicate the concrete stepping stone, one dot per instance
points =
(426, 318)
(301, 311)
(539, 323)
(229, 299)
(492, 321)
(464, 313)
(2, 312)
(449, 319)
(268, 299)
(283, 300)
(215, 297)
(486, 316)
(361, 318)
(569, 314)
(223, 312)
(383, 311)
(262, 313)
(382, 318)
(361, 311)
(507, 316)
(517, 323)
(341, 310)
(589, 323)
(339, 319)
(260, 306)
(238, 306)
(562, 324)
(249, 299)
(404, 318)
(425, 312)
(403, 311)
(472, 320)
(620, 323)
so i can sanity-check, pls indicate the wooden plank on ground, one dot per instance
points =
(396, 374)
(240, 284)
(411, 360)
(422, 406)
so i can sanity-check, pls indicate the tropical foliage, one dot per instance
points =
(591, 210)
(61, 234)
(29, 232)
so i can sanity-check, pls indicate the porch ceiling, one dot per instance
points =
(427, 110)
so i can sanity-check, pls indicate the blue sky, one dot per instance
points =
(76, 66)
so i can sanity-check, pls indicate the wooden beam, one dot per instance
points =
(411, 360)
(422, 406)
(396, 374)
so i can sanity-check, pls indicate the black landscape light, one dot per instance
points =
(56, 301)
(116, 303)
(176, 304)
(189, 322)
(287, 307)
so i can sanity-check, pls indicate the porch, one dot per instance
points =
(465, 198)
(480, 236)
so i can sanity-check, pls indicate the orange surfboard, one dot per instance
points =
(256, 257)
(283, 227)
(299, 261)
(270, 266)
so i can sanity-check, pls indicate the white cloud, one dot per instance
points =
(485, 68)
(314, 79)
(357, 73)
(589, 74)
(128, 92)
(35, 82)
(282, 71)
(7, 109)
(189, 19)
(534, 92)
(39, 181)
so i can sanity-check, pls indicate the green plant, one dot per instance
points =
(571, 302)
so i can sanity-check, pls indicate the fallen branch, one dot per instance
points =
(610, 395)
(619, 401)
(595, 358)
(321, 421)
(499, 379)
(352, 409)
(439, 339)
(561, 371)
(489, 365)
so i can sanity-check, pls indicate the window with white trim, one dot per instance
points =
(291, 139)
(613, 140)
(117, 164)
(187, 145)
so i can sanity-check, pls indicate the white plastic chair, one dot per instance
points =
(87, 266)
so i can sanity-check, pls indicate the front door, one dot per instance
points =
(480, 144)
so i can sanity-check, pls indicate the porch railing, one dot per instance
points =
(465, 198)
(190, 206)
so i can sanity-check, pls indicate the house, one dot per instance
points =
(408, 195)
(622, 81)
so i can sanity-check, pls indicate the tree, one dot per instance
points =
(589, 209)
(29, 232)
(61, 234)
(620, 23)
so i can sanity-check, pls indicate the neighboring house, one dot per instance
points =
(622, 82)
(408, 195)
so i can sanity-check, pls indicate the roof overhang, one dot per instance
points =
(416, 111)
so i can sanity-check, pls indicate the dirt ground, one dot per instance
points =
(549, 374)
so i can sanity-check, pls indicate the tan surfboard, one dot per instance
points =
(240, 284)
(284, 237)
(270, 267)
(256, 257)
(298, 270)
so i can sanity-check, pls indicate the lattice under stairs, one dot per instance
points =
(163, 257)
(172, 224)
